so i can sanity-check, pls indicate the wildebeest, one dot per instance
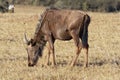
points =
(59, 24)
(11, 8)
(6, 6)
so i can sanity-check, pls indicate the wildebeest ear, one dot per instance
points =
(32, 42)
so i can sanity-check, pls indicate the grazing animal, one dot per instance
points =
(59, 24)
(11, 8)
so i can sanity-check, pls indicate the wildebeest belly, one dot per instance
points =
(62, 34)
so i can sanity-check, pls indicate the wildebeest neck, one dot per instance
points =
(41, 21)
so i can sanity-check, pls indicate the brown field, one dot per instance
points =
(104, 51)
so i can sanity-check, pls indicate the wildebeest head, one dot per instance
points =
(34, 51)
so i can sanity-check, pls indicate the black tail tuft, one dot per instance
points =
(85, 31)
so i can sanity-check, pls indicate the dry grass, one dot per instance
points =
(104, 52)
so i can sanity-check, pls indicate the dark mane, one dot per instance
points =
(42, 18)
(38, 26)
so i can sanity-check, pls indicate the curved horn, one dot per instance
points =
(25, 39)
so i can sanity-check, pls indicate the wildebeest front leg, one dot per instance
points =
(78, 45)
(51, 50)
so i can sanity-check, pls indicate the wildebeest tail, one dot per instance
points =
(85, 31)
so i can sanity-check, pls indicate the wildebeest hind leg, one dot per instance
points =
(86, 57)
(78, 46)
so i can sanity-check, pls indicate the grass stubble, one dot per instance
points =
(104, 52)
